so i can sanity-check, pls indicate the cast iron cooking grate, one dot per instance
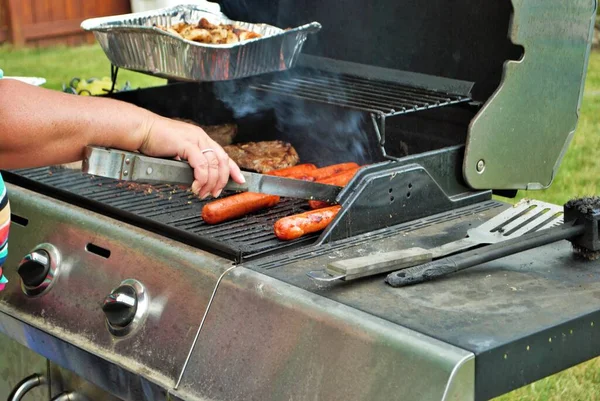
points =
(168, 210)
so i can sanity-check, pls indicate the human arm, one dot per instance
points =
(40, 127)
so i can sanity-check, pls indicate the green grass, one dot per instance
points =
(578, 174)
(60, 64)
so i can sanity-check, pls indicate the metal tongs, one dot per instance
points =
(135, 167)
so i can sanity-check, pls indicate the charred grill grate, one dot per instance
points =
(168, 210)
(385, 99)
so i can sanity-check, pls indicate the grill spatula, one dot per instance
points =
(134, 167)
(526, 216)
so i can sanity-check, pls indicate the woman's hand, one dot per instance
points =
(163, 137)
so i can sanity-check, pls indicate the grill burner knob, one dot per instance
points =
(120, 306)
(34, 268)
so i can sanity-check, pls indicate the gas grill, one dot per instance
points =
(445, 106)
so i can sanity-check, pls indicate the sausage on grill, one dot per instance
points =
(237, 205)
(293, 227)
(329, 171)
(341, 179)
(299, 171)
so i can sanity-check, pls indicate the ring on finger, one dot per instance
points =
(208, 150)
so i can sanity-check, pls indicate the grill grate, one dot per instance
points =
(169, 210)
(386, 99)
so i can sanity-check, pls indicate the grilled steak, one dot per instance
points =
(223, 134)
(263, 156)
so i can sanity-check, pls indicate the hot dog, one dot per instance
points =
(341, 179)
(332, 170)
(237, 205)
(293, 227)
(299, 171)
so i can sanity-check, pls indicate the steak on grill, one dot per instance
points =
(223, 134)
(263, 156)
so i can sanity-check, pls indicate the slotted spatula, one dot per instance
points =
(526, 216)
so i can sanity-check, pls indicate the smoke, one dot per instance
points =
(319, 132)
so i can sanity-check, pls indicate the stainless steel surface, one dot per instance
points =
(17, 362)
(110, 379)
(69, 396)
(524, 129)
(324, 275)
(132, 167)
(54, 261)
(65, 383)
(130, 41)
(142, 304)
(266, 340)
(26, 385)
(179, 278)
(287, 187)
(200, 326)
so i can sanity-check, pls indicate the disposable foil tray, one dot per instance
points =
(132, 42)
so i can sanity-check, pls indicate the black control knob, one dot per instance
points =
(34, 268)
(120, 306)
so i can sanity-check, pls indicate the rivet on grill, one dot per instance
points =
(127, 161)
(149, 170)
(480, 166)
(125, 172)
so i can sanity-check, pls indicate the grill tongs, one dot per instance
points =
(135, 167)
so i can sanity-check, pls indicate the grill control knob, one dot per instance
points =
(38, 269)
(126, 307)
(34, 268)
(120, 306)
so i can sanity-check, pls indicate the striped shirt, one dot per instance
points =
(4, 227)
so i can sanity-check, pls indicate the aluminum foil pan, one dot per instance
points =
(132, 42)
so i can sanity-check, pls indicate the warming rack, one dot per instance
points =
(381, 99)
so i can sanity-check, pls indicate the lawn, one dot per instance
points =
(61, 64)
(578, 174)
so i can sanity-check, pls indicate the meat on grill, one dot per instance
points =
(223, 134)
(328, 171)
(296, 226)
(239, 205)
(340, 179)
(263, 157)
(235, 206)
